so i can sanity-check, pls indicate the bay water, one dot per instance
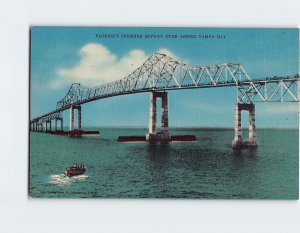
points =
(206, 169)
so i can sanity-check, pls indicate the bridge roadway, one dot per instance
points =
(160, 73)
(259, 82)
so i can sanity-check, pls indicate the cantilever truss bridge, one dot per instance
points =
(161, 73)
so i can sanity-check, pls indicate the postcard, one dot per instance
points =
(169, 113)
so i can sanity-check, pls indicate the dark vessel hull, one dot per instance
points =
(74, 172)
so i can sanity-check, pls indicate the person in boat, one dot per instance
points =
(75, 166)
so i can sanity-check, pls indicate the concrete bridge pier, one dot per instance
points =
(72, 118)
(61, 124)
(33, 126)
(238, 142)
(163, 135)
(40, 127)
(48, 122)
(78, 107)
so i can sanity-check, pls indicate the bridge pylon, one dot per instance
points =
(163, 134)
(50, 128)
(238, 141)
(61, 124)
(31, 126)
(72, 107)
(40, 127)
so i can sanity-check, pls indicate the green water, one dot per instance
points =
(207, 169)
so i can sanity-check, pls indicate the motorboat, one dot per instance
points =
(75, 170)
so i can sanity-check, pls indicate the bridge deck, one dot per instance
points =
(162, 73)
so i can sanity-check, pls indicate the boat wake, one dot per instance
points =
(62, 180)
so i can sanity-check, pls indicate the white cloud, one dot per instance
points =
(98, 65)
(169, 53)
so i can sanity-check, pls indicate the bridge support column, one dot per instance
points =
(152, 118)
(40, 127)
(72, 117)
(238, 142)
(79, 117)
(163, 135)
(61, 124)
(48, 122)
(165, 116)
(238, 124)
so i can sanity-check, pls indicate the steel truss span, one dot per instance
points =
(161, 73)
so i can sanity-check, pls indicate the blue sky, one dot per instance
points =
(63, 55)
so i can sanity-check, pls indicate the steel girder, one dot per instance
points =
(275, 90)
(160, 72)
(53, 116)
